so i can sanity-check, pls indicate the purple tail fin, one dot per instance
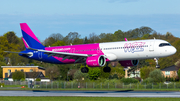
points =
(29, 39)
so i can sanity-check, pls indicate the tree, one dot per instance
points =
(179, 73)
(144, 72)
(5, 46)
(157, 76)
(119, 35)
(18, 75)
(49, 41)
(52, 72)
(119, 71)
(57, 37)
(143, 63)
(129, 80)
(11, 37)
(2, 63)
(174, 75)
(93, 38)
(59, 43)
(168, 34)
(69, 39)
(106, 37)
(94, 73)
(85, 40)
(79, 75)
(178, 64)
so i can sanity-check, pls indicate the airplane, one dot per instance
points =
(127, 53)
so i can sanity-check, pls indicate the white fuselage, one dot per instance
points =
(138, 49)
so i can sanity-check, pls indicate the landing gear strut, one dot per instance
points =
(156, 60)
(85, 69)
(107, 69)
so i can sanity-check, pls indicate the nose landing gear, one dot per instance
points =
(156, 60)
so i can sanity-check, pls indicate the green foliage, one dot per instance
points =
(52, 72)
(79, 75)
(38, 79)
(119, 35)
(18, 75)
(59, 43)
(145, 72)
(129, 80)
(64, 69)
(145, 36)
(1, 84)
(178, 63)
(115, 76)
(157, 76)
(22, 79)
(11, 37)
(94, 73)
(119, 71)
(179, 73)
(112, 81)
(148, 80)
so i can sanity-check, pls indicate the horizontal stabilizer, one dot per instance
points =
(28, 54)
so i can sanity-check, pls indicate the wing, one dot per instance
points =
(64, 55)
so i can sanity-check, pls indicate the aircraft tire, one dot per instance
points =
(157, 66)
(107, 69)
(84, 70)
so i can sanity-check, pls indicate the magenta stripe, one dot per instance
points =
(26, 45)
(26, 29)
(80, 49)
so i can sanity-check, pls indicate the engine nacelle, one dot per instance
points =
(129, 63)
(96, 61)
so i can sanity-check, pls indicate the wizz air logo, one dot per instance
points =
(134, 47)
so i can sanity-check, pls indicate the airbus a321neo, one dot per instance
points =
(127, 53)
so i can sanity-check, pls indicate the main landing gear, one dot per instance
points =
(84, 69)
(156, 60)
(107, 69)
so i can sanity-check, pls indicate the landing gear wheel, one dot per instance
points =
(84, 70)
(156, 60)
(107, 69)
(157, 66)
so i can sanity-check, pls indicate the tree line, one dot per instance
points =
(10, 42)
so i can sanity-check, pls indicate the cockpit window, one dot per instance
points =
(164, 44)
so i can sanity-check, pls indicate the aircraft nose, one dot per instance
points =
(173, 50)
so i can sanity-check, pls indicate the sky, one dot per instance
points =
(46, 17)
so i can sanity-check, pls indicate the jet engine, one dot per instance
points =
(129, 63)
(96, 61)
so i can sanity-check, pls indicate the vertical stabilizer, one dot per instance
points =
(29, 39)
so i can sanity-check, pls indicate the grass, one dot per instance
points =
(85, 99)
(15, 85)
